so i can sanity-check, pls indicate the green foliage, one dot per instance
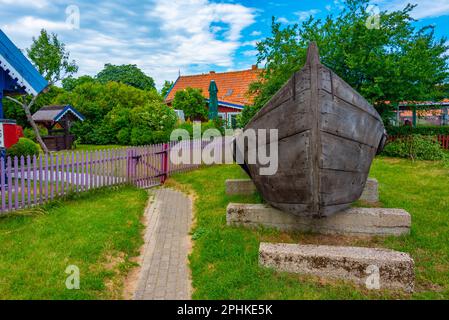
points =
(16, 112)
(147, 124)
(188, 126)
(127, 74)
(166, 88)
(25, 147)
(422, 130)
(50, 57)
(29, 133)
(394, 63)
(116, 113)
(192, 102)
(416, 147)
(69, 84)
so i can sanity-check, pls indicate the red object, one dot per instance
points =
(10, 134)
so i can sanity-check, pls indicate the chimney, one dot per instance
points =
(254, 67)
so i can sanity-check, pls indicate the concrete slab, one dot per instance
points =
(246, 187)
(353, 222)
(371, 192)
(240, 187)
(372, 268)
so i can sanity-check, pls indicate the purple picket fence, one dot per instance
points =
(29, 181)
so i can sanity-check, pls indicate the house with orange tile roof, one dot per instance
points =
(232, 89)
(423, 112)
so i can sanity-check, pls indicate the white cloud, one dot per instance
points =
(256, 33)
(161, 38)
(425, 8)
(29, 26)
(304, 15)
(283, 20)
(26, 3)
(189, 38)
(251, 53)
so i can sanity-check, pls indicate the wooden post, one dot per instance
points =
(66, 134)
(165, 158)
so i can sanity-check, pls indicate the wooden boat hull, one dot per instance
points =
(328, 137)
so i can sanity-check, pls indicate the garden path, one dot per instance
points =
(165, 273)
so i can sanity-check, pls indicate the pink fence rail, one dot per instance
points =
(29, 181)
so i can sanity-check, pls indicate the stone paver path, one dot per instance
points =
(165, 274)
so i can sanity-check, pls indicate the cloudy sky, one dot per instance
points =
(165, 37)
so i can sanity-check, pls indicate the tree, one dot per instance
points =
(69, 84)
(109, 111)
(166, 88)
(394, 63)
(192, 102)
(127, 74)
(50, 57)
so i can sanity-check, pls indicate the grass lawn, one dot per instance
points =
(91, 147)
(224, 260)
(99, 232)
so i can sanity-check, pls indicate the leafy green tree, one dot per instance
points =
(50, 57)
(115, 113)
(127, 74)
(71, 83)
(192, 102)
(166, 88)
(394, 63)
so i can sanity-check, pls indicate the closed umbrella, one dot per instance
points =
(213, 101)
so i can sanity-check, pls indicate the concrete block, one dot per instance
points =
(373, 268)
(246, 187)
(371, 192)
(353, 222)
(240, 187)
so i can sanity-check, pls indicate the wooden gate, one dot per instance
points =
(148, 166)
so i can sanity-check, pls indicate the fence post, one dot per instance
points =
(165, 158)
(129, 163)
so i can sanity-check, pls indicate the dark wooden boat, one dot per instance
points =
(328, 137)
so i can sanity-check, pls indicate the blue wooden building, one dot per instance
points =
(17, 75)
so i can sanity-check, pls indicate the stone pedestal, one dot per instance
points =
(354, 221)
(371, 268)
(246, 187)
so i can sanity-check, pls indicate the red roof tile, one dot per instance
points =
(232, 86)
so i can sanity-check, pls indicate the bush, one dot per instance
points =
(192, 102)
(188, 126)
(415, 147)
(25, 147)
(421, 130)
(29, 133)
(113, 110)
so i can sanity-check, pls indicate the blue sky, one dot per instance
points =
(165, 37)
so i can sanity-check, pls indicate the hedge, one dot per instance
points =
(425, 131)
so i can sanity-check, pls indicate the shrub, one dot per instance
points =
(415, 147)
(192, 102)
(29, 133)
(25, 147)
(421, 130)
(109, 109)
(188, 126)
